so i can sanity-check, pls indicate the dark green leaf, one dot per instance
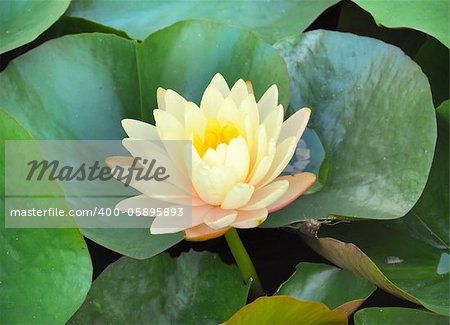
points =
(44, 273)
(195, 288)
(372, 109)
(396, 316)
(334, 287)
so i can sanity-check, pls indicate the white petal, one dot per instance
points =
(268, 102)
(169, 127)
(140, 130)
(211, 101)
(295, 125)
(239, 91)
(212, 184)
(273, 122)
(174, 104)
(238, 158)
(160, 93)
(221, 84)
(250, 219)
(217, 218)
(283, 155)
(265, 196)
(238, 196)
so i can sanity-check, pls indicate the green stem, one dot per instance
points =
(244, 263)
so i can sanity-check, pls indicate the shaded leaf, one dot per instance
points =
(395, 315)
(336, 288)
(430, 17)
(195, 288)
(271, 20)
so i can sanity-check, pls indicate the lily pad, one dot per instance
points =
(195, 288)
(336, 288)
(395, 315)
(21, 21)
(44, 273)
(286, 310)
(430, 17)
(271, 20)
(368, 101)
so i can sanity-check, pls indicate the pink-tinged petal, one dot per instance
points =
(140, 130)
(203, 232)
(298, 184)
(221, 84)
(268, 102)
(265, 196)
(217, 218)
(295, 125)
(250, 219)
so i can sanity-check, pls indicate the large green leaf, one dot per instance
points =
(271, 20)
(207, 48)
(368, 102)
(195, 288)
(433, 58)
(395, 316)
(408, 257)
(429, 16)
(284, 310)
(336, 288)
(44, 273)
(21, 21)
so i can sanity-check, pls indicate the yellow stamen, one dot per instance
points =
(214, 135)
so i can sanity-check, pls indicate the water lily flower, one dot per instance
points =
(238, 149)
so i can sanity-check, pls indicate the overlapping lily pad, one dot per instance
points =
(44, 273)
(430, 17)
(191, 289)
(22, 21)
(336, 288)
(85, 84)
(372, 109)
(285, 310)
(271, 20)
(395, 315)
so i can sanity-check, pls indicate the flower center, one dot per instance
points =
(214, 135)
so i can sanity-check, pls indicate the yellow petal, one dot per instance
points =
(238, 196)
(140, 130)
(250, 219)
(238, 158)
(265, 196)
(160, 93)
(212, 184)
(217, 218)
(273, 122)
(169, 127)
(239, 91)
